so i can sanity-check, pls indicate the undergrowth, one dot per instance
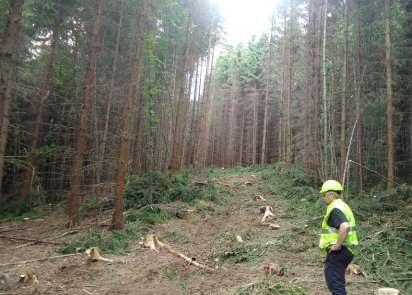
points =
(271, 287)
(143, 197)
(148, 215)
(15, 209)
(157, 188)
(243, 253)
(115, 242)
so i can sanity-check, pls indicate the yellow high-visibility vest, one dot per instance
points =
(330, 235)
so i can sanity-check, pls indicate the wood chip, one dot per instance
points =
(259, 198)
(273, 226)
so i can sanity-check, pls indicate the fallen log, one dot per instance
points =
(54, 238)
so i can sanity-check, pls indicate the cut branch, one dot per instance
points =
(30, 240)
(40, 259)
(152, 242)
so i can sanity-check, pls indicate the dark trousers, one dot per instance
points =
(335, 267)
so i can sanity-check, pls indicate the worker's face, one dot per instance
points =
(327, 198)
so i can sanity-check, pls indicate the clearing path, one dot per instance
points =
(209, 234)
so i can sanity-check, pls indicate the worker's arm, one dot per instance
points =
(343, 232)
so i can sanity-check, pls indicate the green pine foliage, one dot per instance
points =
(271, 287)
(157, 188)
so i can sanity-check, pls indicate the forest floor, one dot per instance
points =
(207, 234)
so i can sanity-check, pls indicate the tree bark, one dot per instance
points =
(266, 116)
(389, 97)
(111, 90)
(89, 92)
(178, 133)
(359, 102)
(289, 155)
(204, 128)
(127, 125)
(9, 40)
(344, 89)
(325, 140)
(47, 86)
(189, 148)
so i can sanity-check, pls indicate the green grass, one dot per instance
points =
(170, 272)
(148, 215)
(271, 287)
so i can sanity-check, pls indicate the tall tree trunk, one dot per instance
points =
(189, 157)
(359, 103)
(89, 93)
(188, 116)
(344, 89)
(282, 102)
(255, 101)
(111, 90)
(325, 141)
(178, 133)
(47, 86)
(312, 136)
(9, 40)
(266, 116)
(389, 97)
(289, 97)
(127, 125)
(242, 135)
(409, 94)
(204, 117)
(198, 117)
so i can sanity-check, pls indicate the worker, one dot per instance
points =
(338, 240)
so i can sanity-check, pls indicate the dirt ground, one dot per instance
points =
(201, 236)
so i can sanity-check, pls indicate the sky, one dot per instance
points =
(245, 18)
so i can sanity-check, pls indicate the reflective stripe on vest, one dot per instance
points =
(330, 235)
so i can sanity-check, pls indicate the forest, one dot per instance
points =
(106, 101)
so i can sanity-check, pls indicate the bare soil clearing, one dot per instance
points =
(201, 235)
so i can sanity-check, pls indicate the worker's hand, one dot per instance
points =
(334, 248)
